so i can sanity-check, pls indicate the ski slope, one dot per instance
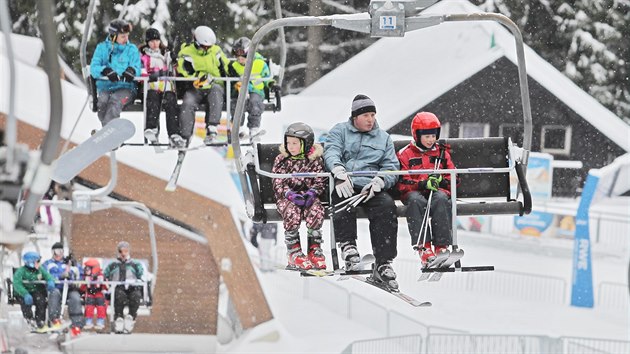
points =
(323, 323)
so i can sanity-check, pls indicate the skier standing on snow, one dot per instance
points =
(422, 154)
(360, 145)
(205, 60)
(127, 270)
(29, 293)
(62, 268)
(156, 62)
(297, 199)
(255, 105)
(118, 61)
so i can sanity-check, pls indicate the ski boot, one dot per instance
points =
(177, 142)
(128, 324)
(315, 253)
(151, 135)
(100, 324)
(211, 134)
(297, 259)
(350, 255)
(427, 256)
(384, 274)
(119, 325)
(89, 324)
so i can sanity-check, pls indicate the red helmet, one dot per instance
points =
(94, 264)
(425, 123)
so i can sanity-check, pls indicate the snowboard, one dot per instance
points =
(46, 329)
(110, 137)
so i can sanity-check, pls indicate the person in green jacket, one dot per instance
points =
(203, 59)
(30, 293)
(256, 89)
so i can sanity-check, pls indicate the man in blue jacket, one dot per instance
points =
(115, 64)
(360, 145)
(62, 268)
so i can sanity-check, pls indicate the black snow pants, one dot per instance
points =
(381, 211)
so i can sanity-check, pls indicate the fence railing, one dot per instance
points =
(613, 296)
(483, 344)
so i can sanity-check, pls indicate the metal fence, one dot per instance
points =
(487, 344)
(404, 344)
(613, 296)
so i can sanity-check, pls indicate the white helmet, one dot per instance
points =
(204, 36)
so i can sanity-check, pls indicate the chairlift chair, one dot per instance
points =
(483, 161)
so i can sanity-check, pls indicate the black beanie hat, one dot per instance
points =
(362, 104)
(151, 34)
(57, 245)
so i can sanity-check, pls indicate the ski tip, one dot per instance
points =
(170, 188)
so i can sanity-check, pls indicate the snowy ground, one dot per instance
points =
(497, 308)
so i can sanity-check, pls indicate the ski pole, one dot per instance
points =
(424, 226)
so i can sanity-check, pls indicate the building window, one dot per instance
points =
(474, 130)
(556, 139)
(444, 131)
(512, 131)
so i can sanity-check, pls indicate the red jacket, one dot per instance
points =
(94, 290)
(412, 158)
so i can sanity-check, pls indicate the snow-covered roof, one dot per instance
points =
(404, 74)
(26, 49)
(204, 171)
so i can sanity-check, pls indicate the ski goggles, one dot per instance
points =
(58, 251)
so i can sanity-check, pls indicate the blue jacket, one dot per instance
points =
(118, 57)
(357, 151)
(57, 268)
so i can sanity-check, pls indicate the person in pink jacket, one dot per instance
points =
(156, 62)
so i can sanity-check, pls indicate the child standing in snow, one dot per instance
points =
(297, 199)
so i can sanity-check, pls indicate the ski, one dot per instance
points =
(110, 137)
(441, 263)
(366, 260)
(46, 329)
(252, 138)
(452, 258)
(406, 298)
(172, 182)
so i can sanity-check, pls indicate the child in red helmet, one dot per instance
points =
(297, 198)
(94, 295)
(423, 153)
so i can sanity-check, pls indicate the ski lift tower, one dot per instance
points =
(390, 18)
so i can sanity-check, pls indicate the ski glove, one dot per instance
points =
(309, 197)
(295, 198)
(129, 74)
(188, 65)
(376, 185)
(111, 74)
(50, 285)
(343, 183)
(28, 299)
(202, 81)
(433, 183)
(154, 76)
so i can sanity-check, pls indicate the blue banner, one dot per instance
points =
(582, 289)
